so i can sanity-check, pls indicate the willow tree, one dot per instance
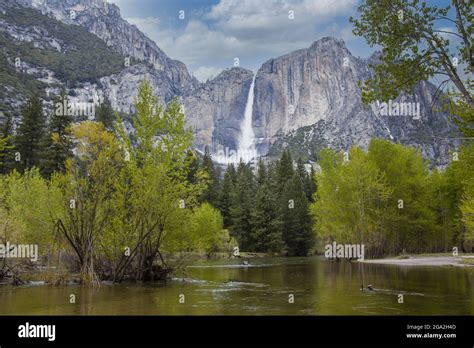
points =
(467, 203)
(349, 202)
(409, 219)
(87, 187)
(467, 211)
(33, 202)
(207, 229)
(157, 197)
(460, 176)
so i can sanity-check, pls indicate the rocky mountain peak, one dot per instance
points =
(306, 100)
(326, 43)
(232, 73)
(310, 99)
(104, 20)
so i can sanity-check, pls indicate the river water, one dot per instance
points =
(264, 287)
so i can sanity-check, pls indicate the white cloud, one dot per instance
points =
(248, 29)
(268, 26)
(241, 17)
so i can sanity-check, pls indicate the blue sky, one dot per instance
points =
(214, 32)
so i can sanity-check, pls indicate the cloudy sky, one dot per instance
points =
(214, 32)
(207, 35)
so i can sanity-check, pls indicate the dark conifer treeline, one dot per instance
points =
(40, 140)
(265, 208)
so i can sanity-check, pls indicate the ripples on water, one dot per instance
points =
(228, 287)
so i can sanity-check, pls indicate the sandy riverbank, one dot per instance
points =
(460, 261)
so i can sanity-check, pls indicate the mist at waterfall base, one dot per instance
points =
(247, 150)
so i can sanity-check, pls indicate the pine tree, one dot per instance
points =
(262, 173)
(242, 205)
(224, 201)
(265, 220)
(105, 114)
(211, 193)
(272, 176)
(293, 203)
(58, 144)
(193, 167)
(30, 137)
(284, 169)
(296, 221)
(306, 179)
(6, 145)
(313, 187)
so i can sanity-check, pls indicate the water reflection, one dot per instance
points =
(263, 287)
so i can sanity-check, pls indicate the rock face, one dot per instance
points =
(306, 86)
(304, 100)
(122, 88)
(216, 109)
(316, 90)
(103, 19)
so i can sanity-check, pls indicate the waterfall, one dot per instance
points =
(247, 150)
(246, 145)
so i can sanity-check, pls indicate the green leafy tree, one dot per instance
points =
(459, 177)
(33, 202)
(414, 44)
(154, 209)
(349, 201)
(409, 219)
(467, 211)
(86, 188)
(207, 227)
(6, 145)
(444, 201)
(467, 201)
(463, 113)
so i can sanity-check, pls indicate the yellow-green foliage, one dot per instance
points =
(349, 199)
(467, 200)
(28, 205)
(122, 202)
(389, 200)
(207, 226)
